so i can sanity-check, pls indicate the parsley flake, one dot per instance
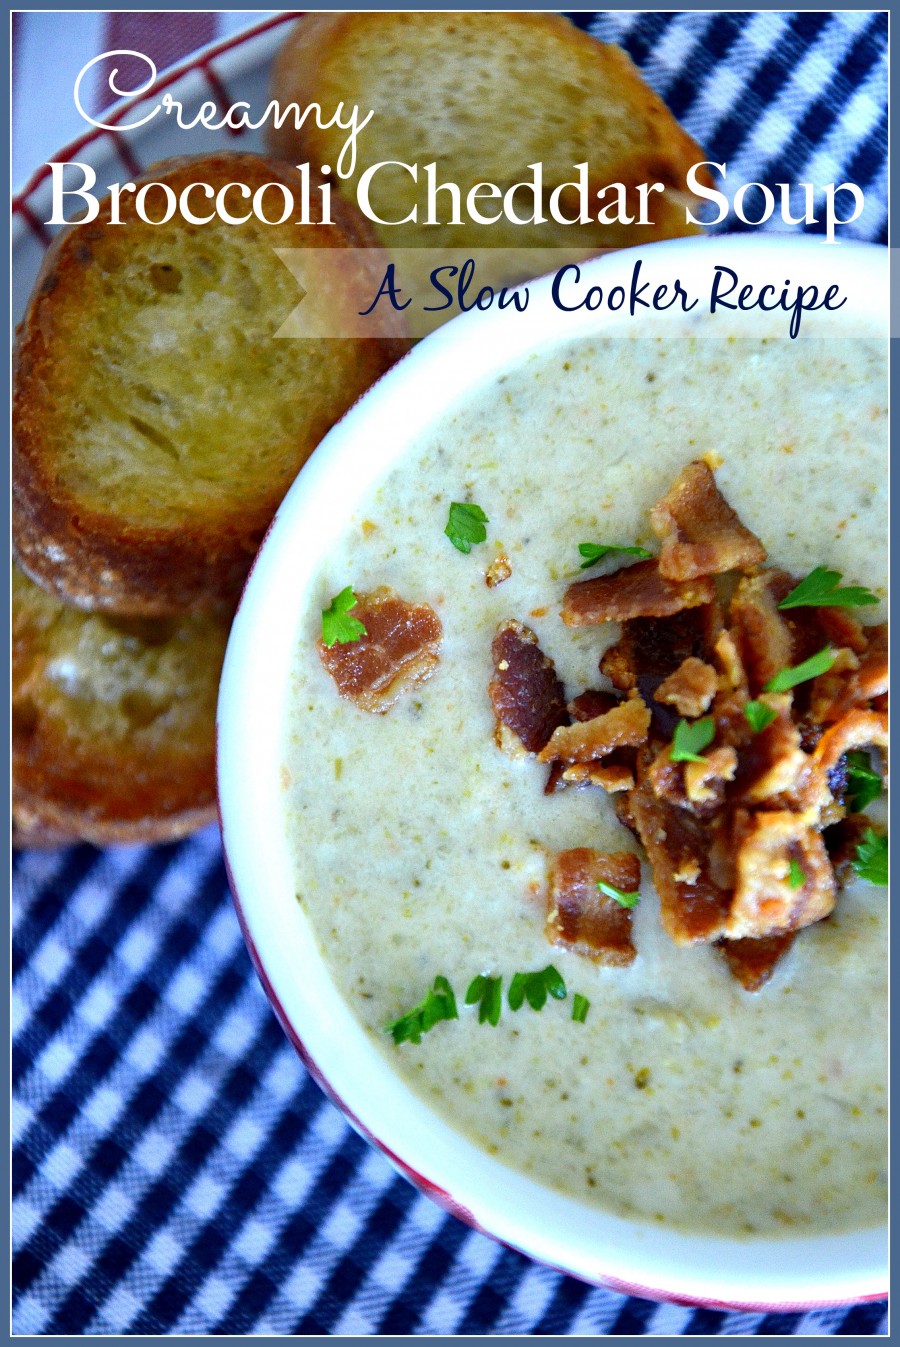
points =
(437, 1004)
(623, 899)
(871, 861)
(863, 782)
(580, 1007)
(466, 525)
(336, 625)
(801, 673)
(488, 993)
(797, 878)
(821, 589)
(534, 988)
(691, 737)
(759, 716)
(594, 552)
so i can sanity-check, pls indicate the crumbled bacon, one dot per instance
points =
(766, 900)
(588, 705)
(772, 761)
(579, 916)
(762, 636)
(626, 725)
(399, 649)
(841, 689)
(704, 782)
(528, 698)
(693, 908)
(635, 591)
(701, 534)
(691, 688)
(857, 729)
(498, 571)
(752, 961)
(746, 843)
(611, 776)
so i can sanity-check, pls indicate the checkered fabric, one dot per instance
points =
(175, 1170)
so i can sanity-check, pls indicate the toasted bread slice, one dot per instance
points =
(157, 421)
(483, 95)
(113, 722)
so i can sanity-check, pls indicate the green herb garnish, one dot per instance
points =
(759, 715)
(797, 878)
(871, 861)
(821, 589)
(863, 782)
(690, 738)
(801, 673)
(437, 1004)
(623, 899)
(488, 993)
(534, 988)
(580, 1007)
(336, 625)
(594, 552)
(465, 526)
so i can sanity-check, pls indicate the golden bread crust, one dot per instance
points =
(155, 432)
(113, 722)
(587, 101)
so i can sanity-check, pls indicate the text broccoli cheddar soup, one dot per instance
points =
(585, 776)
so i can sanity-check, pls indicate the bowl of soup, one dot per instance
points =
(644, 1122)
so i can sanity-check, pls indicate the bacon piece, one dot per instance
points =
(701, 534)
(752, 961)
(588, 705)
(693, 909)
(580, 917)
(528, 698)
(764, 901)
(691, 688)
(761, 634)
(836, 692)
(772, 762)
(696, 786)
(498, 571)
(611, 776)
(841, 841)
(734, 676)
(625, 726)
(399, 649)
(857, 729)
(635, 591)
(704, 782)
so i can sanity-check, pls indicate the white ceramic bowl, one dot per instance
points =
(253, 706)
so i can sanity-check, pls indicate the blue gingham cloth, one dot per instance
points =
(175, 1170)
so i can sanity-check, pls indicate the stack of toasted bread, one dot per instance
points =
(157, 422)
(157, 425)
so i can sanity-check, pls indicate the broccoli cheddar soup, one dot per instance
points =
(587, 726)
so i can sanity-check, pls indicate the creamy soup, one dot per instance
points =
(682, 1098)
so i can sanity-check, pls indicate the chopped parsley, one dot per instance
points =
(487, 992)
(535, 987)
(580, 1007)
(466, 525)
(691, 737)
(437, 1004)
(801, 673)
(623, 899)
(594, 552)
(821, 589)
(336, 624)
(797, 878)
(863, 782)
(871, 861)
(759, 716)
